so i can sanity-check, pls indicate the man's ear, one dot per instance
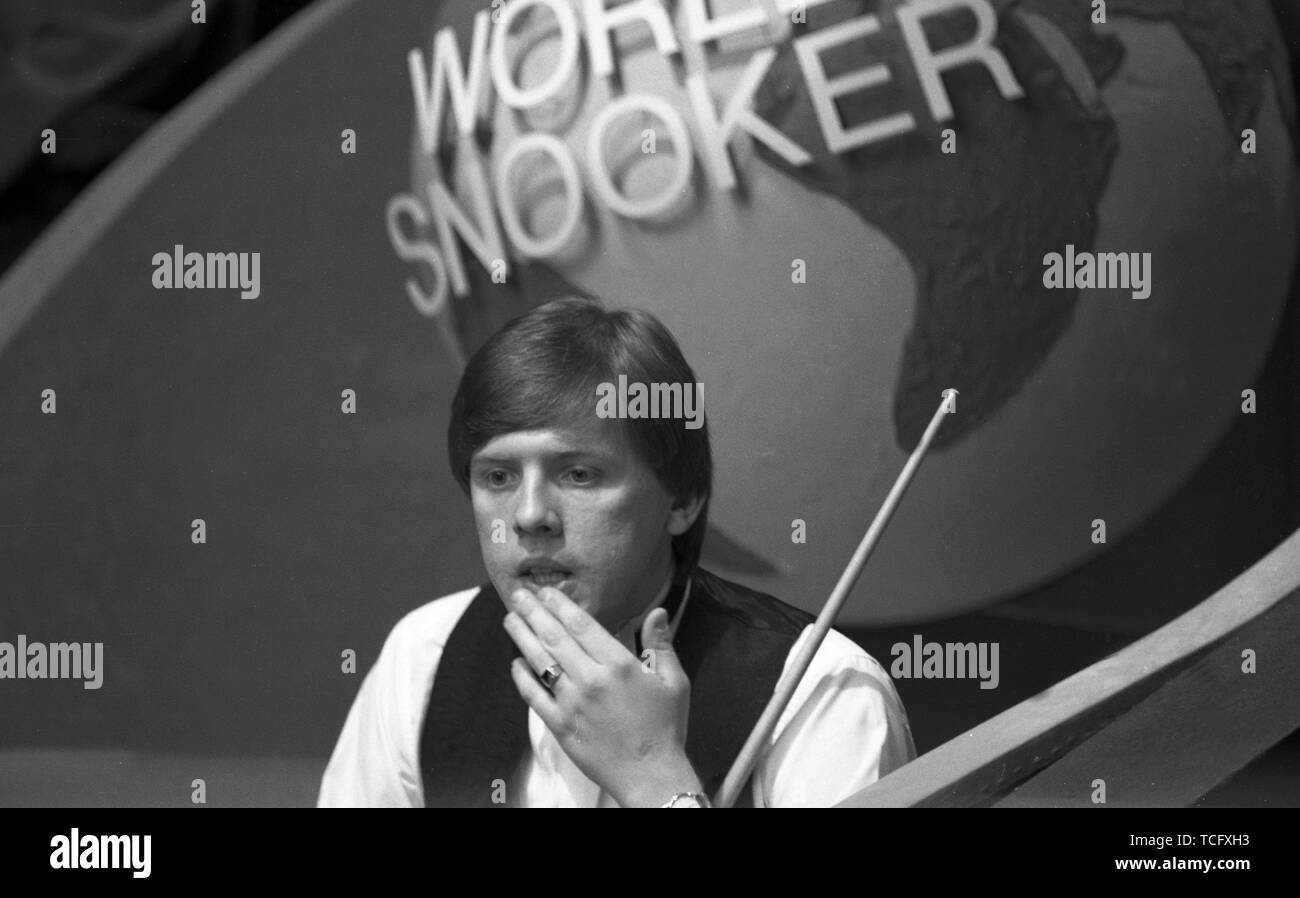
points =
(683, 513)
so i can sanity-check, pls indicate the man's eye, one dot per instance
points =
(582, 476)
(496, 478)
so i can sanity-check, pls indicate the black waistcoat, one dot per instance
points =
(731, 641)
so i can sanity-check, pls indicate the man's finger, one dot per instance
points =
(535, 695)
(585, 629)
(534, 652)
(555, 639)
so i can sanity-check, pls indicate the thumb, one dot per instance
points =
(657, 643)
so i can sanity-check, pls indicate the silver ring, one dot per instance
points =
(551, 675)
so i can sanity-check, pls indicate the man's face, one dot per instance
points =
(577, 509)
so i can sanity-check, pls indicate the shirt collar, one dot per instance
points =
(627, 633)
(675, 594)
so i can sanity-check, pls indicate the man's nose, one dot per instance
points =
(535, 509)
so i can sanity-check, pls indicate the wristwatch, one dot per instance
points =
(687, 800)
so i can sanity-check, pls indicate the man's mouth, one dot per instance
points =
(540, 573)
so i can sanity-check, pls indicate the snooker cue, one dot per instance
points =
(748, 756)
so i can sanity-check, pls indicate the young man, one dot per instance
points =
(600, 666)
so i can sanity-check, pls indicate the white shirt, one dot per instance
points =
(843, 729)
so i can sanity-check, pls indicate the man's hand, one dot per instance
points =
(622, 722)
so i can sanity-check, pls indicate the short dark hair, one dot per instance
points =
(542, 369)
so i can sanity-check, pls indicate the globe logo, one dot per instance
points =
(844, 208)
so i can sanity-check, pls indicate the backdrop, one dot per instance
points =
(824, 305)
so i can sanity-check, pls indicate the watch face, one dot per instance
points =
(688, 800)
